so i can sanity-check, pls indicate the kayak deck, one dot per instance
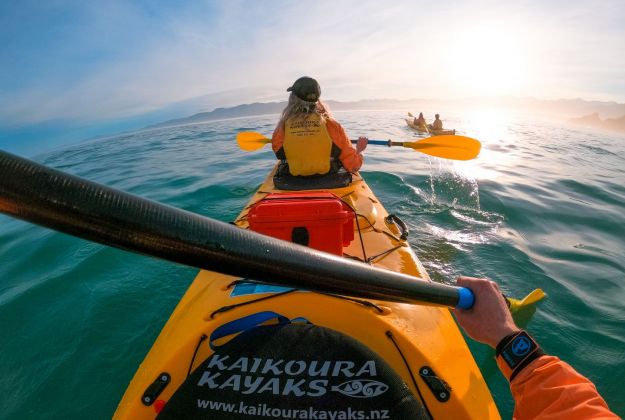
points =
(408, 337)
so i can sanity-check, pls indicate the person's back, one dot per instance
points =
(420, 122)
(437, 124)
(309, 139)
(307, 145)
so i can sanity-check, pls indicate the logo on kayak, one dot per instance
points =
(361, 388)
(297, 378)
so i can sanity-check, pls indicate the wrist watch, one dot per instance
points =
(516, 351)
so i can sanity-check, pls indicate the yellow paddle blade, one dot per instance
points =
(410, 115)
(447, 147)
(250, 141)
(535, 296)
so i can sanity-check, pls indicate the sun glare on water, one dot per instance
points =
(490, 127)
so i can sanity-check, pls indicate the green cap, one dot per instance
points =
(306, 88)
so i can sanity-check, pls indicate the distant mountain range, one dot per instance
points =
(561, 108)
(269, 108)
(593, 120)
(245, 110)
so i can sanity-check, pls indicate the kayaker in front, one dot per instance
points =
(312, 146)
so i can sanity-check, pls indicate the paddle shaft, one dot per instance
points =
(446, 146)
(388, 143)
(51, 198)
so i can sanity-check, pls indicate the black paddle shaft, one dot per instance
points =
(51, 198)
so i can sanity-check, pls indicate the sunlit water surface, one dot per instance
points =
(543, 206)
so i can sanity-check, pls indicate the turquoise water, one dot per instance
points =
(543, 206)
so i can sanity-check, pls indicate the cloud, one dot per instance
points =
(119, 59)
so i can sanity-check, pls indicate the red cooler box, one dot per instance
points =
(318, 220)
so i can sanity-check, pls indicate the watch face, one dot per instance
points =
(521, 346)
(518, 349)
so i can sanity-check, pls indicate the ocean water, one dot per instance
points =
(543, 206)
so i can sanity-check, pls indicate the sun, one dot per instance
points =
(487, 60)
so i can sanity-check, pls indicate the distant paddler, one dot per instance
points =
(420, 121)
(437, 124)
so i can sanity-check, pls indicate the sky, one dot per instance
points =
(71, 69)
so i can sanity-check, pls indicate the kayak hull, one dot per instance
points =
(421, 129)
(408, 337)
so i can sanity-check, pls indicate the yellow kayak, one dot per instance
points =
(430, 130)
(238, 349)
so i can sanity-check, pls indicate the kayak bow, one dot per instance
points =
(414, 340)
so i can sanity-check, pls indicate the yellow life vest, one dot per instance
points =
(307, 145)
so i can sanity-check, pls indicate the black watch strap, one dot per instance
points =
(517, 351)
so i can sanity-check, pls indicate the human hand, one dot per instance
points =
(489, 320)
(362, 144)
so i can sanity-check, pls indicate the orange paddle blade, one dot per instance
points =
(250, 141)
(447, 147)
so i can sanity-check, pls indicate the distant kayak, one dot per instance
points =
(430, 130)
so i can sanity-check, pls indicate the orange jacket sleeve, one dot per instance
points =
(351, 160)
(549, 388)
(277, 140)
